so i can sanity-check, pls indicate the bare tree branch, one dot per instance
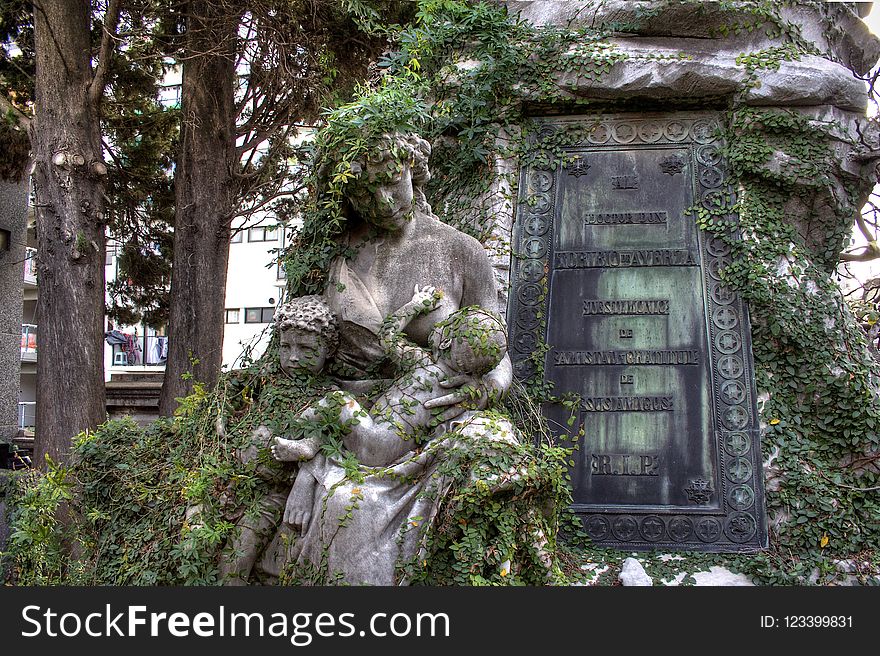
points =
(108, 44)
(868, 253)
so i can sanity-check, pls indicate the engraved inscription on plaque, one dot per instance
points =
(627, 296)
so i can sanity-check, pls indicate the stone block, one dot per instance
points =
(694, 20)
(842, 35)
(633, 574)
(812, 81)
(721, 576)
(845, 35)
(137, 398)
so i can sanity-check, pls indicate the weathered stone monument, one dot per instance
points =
(618, 297)
(658, 194)
(616, 234)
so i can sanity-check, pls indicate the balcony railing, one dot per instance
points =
(140, 350)
(30, 266)
(28, 342)
(27, 414)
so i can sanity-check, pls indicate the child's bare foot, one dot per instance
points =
(298, 510)
(294, 450)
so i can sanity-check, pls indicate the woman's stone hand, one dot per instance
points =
(471, 393)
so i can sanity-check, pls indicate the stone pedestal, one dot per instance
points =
(134, 395)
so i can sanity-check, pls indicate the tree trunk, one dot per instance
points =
(205, 199)
(68, 181)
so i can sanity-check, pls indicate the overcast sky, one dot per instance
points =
(873, 20)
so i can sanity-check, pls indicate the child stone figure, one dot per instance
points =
(307, 337)
(470, 342)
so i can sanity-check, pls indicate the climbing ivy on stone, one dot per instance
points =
(817, 379)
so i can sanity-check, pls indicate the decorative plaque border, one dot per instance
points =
(554, 146)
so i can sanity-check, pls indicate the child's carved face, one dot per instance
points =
(302, 350)
(462, 356)
(470, 341)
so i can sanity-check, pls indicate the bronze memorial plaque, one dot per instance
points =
(618, 296)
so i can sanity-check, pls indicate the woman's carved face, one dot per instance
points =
(385, 196)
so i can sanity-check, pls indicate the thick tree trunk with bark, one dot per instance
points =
(68, 181)
(205, 196)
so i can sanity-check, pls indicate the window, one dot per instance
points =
(262, 233)
(233, 315)
(109, 253)
(169, 95)
(259, 315)
(236, 237)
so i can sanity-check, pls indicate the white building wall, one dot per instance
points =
(27, 387)
(252, 283)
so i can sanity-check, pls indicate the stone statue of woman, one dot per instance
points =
(365, 525)
(399, 242)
